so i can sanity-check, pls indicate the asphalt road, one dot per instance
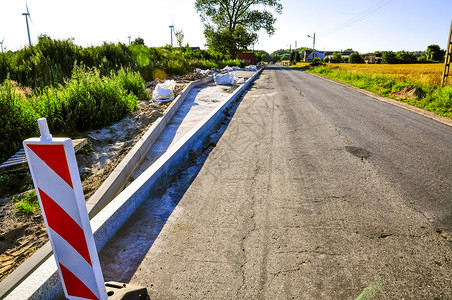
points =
(314, 191)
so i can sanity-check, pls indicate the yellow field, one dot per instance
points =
(426, 74)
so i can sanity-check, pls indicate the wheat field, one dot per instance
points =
(424, 74)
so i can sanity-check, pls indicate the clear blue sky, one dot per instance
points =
(364, 25)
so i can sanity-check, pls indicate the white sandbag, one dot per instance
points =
(224, 79)
(239, 80)
(164, 92)
(204, 72)
(252, 68)
(227, 69)
(235, 68)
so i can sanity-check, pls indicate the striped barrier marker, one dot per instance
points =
(57, 181)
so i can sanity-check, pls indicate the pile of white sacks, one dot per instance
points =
(164, 91)
(225, 77)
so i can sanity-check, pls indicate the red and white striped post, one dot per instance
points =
(57, 181)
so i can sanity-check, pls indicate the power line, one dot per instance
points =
(380, 5)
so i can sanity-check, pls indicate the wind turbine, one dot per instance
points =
(172, 30)
(27, 15)
(1, 44)
(129, 38)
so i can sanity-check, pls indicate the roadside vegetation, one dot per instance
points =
(79, 89)
(28, 204)
(416, 84)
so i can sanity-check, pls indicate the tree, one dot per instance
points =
(434, 53)
(179, 37)
(285, 56)
(422, 59)
(138, 41)
(227, 42)
(292, 57)
(388, 57)
(236, 21)
(261, 55)
(404, 57)
(355, 58)
(336, 58)
(296, 57)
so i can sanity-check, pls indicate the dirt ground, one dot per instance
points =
(21, 235)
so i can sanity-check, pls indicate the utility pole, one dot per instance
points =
(448, 58)
(313, 46)
(290, 53)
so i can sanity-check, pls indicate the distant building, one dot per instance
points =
(309, 55)
(323, 54)
(372, 58)
(285, 63)
(247, 57)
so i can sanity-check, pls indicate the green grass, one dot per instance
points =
(28, 204)
(438, 99)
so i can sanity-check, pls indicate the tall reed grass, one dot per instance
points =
(78, 89)
(86, 101)
(17, 119)
(51, 61)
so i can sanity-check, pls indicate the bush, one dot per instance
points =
(132, 82)
(316, 62)
(86, 101)
(336, 58)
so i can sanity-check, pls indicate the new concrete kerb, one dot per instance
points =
(44, 282)
(117, 180)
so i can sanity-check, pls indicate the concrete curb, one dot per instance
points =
(44, 283)
(400, 104)
(109, 188)
(118, 178)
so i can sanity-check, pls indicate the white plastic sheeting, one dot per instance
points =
(205, 72)
(239, 80)
(230, 69)
(252, 68)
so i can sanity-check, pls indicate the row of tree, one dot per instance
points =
(433, 54)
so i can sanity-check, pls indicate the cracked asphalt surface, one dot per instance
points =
(314, 191)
